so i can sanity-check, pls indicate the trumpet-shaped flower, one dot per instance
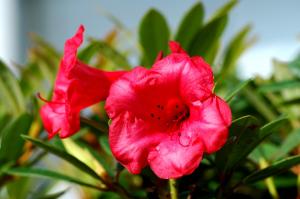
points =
(167, 116)
(77, 86)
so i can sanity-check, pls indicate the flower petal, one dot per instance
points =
(171, 159)
(176, 48)
(193, 76)
(77, 86)
(209, 121)
(130, 141)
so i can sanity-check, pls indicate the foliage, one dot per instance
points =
(263, 135)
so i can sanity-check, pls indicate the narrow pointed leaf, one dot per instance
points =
(236, 90)
(190, 25)
(11, 143)
(294, 66)
(289, 143)
(154, 35)
(272, 170)
(54, 195)
(35, 172)
(224, 10)
(204, 42)
(65, 156)
(245, 136)
(10, 91)
(279, 86)
(96, 47)
(233, 51)
(259, 103)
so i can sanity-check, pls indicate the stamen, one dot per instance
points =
(47, 101)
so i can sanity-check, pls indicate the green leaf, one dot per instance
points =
(10, 91)
(105, 145)
(289, 143)
(245, 137)
(272, 126)
(35, 172)
(264, 151)
(45, 47)
(294, 66)
(206, 39)
(96, 47)
(233, 51)
(4, 120)
(153, 36)
(109, 195)
(224, 10)
(109, 168)
(84, 155)
(12, 144)
(54, 195)
(236, 90)
(259, 103)
(279, 86)
(242, 132)
(291, 102)
(64, 155)
(272, 170)
(190, 25)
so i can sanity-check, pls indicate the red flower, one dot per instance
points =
(167, 116)
(77, 86)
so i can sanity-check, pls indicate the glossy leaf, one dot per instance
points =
(289, 143)
(236, 90)
(64, 155)
(109, 195)
(54, 195)
(4, 120)
(245, 136)
(190, 25)
(96, 47)
(11, 143)
(233, 51)
(35, 172)
(294, 66)
(272, 170)
(105, 145)
(225, 9)
(279, 86)
(204, 42)
(153, 36)
(259, 103)
(10, 92)
(83, 155)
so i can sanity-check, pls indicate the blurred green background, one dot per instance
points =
(263, 145)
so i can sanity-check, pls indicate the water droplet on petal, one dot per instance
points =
(157, 148)
(185, 140)
(197, 103)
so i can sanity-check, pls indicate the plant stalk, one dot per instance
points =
(269, 181)
(173, 189)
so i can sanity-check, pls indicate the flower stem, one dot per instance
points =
(173, 189)
(269, 181)
(298, 185)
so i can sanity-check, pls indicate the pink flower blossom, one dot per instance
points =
(167, 116)
(77, 86)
